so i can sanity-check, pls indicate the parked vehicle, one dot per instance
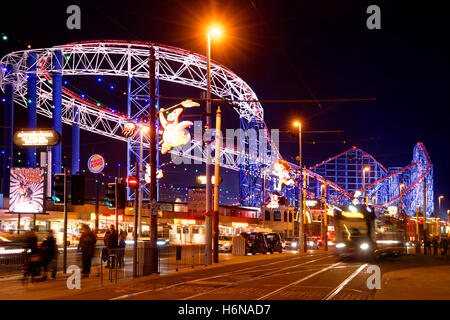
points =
(225, 243)
(274, 242)
(312, 243)
(291, 244)
(255, 242)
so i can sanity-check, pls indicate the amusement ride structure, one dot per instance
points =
(34, 79)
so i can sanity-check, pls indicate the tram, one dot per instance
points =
(361, 234)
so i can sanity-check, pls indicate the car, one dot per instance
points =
(291, 244)
(312, 243)
(225, 243)
(274, 242)
(255, 242)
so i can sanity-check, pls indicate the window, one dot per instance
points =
(285, 214)
(290, 216)
(276, 216)
(267, 215)
(195, 230)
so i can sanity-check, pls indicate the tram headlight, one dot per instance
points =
(364, 246)
(340, 245)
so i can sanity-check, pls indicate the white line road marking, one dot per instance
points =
(206, 278)
(252, 279)
(298, 281)
(333, 293)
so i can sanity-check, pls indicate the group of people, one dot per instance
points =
(114, 245)
(436, 244)
(42, 257)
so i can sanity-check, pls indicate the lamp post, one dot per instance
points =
(325, 216)
(365, 169)
(143, 131)
(302, 246)
(208, 216)
(439, 215)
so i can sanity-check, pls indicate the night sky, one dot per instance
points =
(283, 50)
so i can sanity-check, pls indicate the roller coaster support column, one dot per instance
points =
(57, 108)
(153, 150)
(305, 246)
(31, 100)
(424, 215)
(325, 219)
(8, 132)
(76, 142)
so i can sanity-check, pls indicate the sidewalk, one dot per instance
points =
(16, 289)
(427, 282)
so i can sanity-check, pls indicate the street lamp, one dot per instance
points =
(300, 189)
(214, 31)
(365, 169)
(437, 224)
(143, 131)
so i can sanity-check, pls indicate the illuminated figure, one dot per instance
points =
(276, 200)
(175, 133)
(281, 170)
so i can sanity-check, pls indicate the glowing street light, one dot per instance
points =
(214, 32)
(365, 169)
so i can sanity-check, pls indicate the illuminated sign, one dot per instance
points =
(96, 163)
(392, 210)
(281, 170)
(129, 129)
(106, 217)
(175, 133)
(202, 179)
(353, 215)
(239, 224)
(159, 174)
(311, 203)
(184, 221)
(330, 228)
(36, 138)
(26, 190)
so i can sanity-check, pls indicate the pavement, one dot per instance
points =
(315, 275)
(419, 278)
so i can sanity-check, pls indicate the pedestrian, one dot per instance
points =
(33, 257)
(48, 250)
(112, 243)
(444, 246)
(87, 247)
(427, 247)
(435, 247)
(121, 250)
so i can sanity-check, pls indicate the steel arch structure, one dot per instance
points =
(128, 60)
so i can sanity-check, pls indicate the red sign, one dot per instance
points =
(132, 182)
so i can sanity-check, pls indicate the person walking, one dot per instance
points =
(435, 246)
(111, 243)
(121, 250)
(427, 247)
(444, 246)
(48, 253)
(87, 247)
(33, 257)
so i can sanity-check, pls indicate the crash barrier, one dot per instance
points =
(239, 244)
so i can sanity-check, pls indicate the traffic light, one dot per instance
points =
(115, 195)
(77, 190)
(121, 195)
(132, 182)
(59, 189)
(111, 195)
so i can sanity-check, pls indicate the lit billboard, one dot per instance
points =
(26, 190)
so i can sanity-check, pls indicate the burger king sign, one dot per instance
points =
(96, 163)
